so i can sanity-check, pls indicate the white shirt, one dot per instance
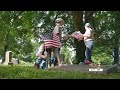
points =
(40, 49)
(88, 31)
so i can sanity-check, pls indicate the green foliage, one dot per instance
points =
(16, 32)
(75, 60)
(64, 50)
(107, 27)
(101, 56)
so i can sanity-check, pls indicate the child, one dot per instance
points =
(42, 55)
(57, 39)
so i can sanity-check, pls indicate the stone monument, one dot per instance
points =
(8, 58)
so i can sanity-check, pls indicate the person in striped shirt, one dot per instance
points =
(57, 39)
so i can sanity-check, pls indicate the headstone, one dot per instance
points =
(90, 69)
(15, 61)
(0, 61)
(8, 58)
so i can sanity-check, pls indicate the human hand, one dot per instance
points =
(65, 37)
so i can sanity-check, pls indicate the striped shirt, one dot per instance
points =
(52, 39)
(57, 36)
(55, 42)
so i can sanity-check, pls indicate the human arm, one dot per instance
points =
(43, 56)
(40, 52)
(77, 35)
(57, 31)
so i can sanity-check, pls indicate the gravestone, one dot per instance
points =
(90, 69)
(15, 61)
(8, 58)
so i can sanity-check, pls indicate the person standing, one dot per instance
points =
(88, 40)
(88, 37)
(57, 39)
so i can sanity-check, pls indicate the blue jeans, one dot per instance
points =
(88, 51)
(52, 58)
(41, 62)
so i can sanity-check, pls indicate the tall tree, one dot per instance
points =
(78, 25)
(107, 31)
(80, 18)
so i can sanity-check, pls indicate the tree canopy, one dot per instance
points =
(17, 32)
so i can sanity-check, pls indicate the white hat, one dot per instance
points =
(87, 25)
(59, 20)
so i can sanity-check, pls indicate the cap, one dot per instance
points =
(59, 20)
(87, 24)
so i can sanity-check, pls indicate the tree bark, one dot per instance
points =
(88, 16)
(6, 45)
(5, 49)
(116, 52)
(78, 26)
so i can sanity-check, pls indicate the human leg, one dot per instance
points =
(37, 63)
(57, 54)
(43, 64)
(88, 51)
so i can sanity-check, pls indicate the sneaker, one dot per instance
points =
(87, 62)
(62, 65)
(81, 63)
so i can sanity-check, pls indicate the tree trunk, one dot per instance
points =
(116, 55)
(88, 17)
(116, 52)
(6, 45)
(5, 49)
(79, 45)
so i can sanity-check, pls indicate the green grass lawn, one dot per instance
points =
(28, 72)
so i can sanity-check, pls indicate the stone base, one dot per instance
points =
(9, 63)
(90, 69)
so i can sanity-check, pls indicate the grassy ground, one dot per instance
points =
(28, 72)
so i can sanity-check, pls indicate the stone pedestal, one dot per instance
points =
(90, 69)
(8, 58)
